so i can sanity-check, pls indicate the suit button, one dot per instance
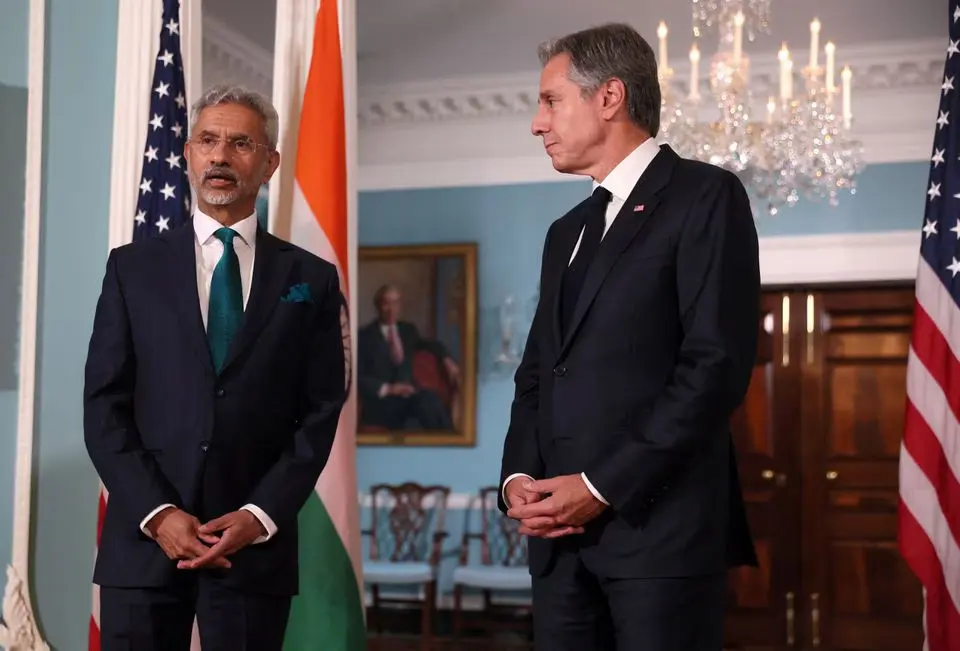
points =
(204, 446)
(560, 371)
(220, 392)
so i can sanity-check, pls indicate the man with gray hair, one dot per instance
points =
(618, 461)
(214, 384)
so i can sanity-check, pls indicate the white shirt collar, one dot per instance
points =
(622, 178)
(204, 226)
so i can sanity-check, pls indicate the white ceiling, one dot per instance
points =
(415, 40)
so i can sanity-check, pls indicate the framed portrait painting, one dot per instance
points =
(417, 345)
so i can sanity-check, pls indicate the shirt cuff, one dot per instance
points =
(264, 519)
(593, 490)
(506, 481)
(146, 520)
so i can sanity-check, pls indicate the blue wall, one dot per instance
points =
(80, 64)
(13, 84)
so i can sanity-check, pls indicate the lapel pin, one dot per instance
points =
(638, 208)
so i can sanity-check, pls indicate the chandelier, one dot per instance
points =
(802, 146)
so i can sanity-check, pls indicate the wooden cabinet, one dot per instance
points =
(818, 438)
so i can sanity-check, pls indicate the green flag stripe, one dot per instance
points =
(328, 611)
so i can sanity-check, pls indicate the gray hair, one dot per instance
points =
(614, 50)
(231, 94)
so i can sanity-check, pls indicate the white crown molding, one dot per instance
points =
(471, 132)
(877, 67)
(228, 56)
(847, 257)
(19, 630)
(475, 131)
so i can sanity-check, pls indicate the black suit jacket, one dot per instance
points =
(639, 392)
(161, 426)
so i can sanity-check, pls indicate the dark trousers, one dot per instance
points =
(161, 619)
(576, 610)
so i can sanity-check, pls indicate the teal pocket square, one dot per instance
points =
(299, 293)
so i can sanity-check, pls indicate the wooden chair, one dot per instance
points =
(502, 565)
(405, 535)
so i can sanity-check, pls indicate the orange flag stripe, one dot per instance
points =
(321, 171)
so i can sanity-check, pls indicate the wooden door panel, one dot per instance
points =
(766, 452)
(860, 596)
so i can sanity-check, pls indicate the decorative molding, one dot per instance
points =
(21, 633)
(848, 257)
(19, 630)
(895, 66)
(475, 131)
(230, 56)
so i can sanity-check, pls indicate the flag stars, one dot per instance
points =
(173, 160)
(937, 158)
(166, 58)
(954, 267)
(173, 27)
(929, 229)
(141, 217)
(947, 85)
(168, 191)
(956, 14)
(157, 121)
(146, 186)
(177, 130)
(953, 48)
(163, 224)
(162, 90)
(151, 154)
(956, 229)
(943, 120)
(934, 191)
(179, 99)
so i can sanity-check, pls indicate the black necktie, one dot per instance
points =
(593, 226)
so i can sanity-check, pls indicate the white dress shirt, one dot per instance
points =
(620, 182)
(208, 252)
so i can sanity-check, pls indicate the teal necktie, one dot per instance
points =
(225, 313)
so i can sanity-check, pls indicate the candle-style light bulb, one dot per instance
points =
(814, 42)
(662, 34)
(831, 51)
(694, 72)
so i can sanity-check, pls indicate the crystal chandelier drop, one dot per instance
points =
(801, 147)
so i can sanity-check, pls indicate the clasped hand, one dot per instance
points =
(196, 546)
(550, 508)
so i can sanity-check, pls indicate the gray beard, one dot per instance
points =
(220, 197)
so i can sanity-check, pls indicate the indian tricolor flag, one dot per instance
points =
(328, 612)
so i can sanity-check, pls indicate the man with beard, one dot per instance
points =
(214, 384)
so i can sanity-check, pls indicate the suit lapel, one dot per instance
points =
(184, 290)
(271, 270)
(625, 228)
(567, 236)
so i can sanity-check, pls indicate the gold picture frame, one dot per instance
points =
(417, 345)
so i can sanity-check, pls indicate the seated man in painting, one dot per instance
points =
(389, 393)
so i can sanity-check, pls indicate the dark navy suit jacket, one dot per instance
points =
(162, 427)
(638, 393)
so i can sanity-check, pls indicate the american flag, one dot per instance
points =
(164, 200)
(929, 513)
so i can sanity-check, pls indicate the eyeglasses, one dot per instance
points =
(239, 146)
